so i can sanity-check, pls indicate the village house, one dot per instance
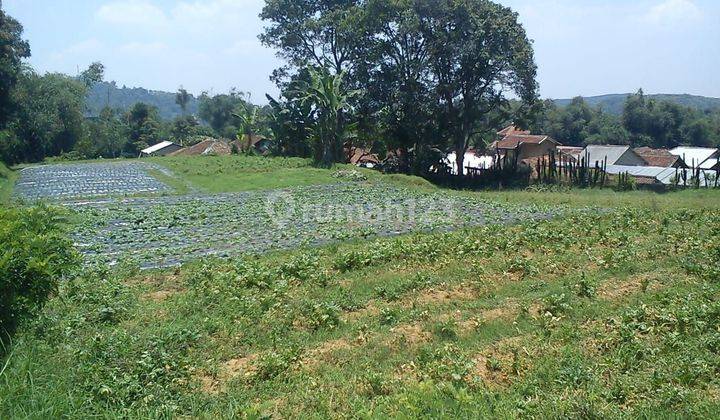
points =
(698, 157)
(161, 149)
(521, 144)
(611, 155)
(661, 158)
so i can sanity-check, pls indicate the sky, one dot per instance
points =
(582, 47)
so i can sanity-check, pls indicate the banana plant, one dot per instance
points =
(250, 124)
(330, 103)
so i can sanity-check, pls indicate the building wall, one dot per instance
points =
(631, 158)
(536, 150)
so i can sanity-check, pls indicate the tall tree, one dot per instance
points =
(478, 52)
(143, 127)
(217, 112)
(50, 115)
(394, 72)
(93, 74)
(182, 98)
(108, 134)
(318, 33)
(13, 49)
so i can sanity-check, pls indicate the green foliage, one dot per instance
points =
(143, 128)
(228, 334)
(328, 97)
(323, 315)
(49, 119)
(428, 72)
(93, 74)
(645, 120)
(14, 50)
(218, 111)
(625, 182)
(557, 304)
(34, 257)
(182, 99)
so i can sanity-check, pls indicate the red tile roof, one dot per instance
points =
(511, 129)
(659, 157)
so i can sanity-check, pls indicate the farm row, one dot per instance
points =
(170, 230)
(72, 181)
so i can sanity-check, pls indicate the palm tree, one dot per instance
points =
(330, 102)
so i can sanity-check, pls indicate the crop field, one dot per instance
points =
(412, 302)
(87, 180)
(123, 214)
(165, 231)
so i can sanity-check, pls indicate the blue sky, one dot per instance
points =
(582, 47)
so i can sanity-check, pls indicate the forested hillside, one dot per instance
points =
(109, 93)
(615, 103)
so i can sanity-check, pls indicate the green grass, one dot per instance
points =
(7, 181)
(215, 174)
(606, 197)
(598, 314)
(609, 314)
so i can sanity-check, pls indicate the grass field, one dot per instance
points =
(7, 179)
(605, 312)
(214, 174)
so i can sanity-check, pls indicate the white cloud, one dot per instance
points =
(132, 12)
(674, 11)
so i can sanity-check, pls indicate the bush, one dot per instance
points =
(34, 255)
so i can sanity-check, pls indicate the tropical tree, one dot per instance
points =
(478, 53)
(395, 78)
(182, 98)
(108, 135)
(250, 123)
(183, 128)
(13, 49)
(290, 124)
(218, 110)
(320, 33)
(93, 74)
(49, 117)
(143, 127)
(325, 94)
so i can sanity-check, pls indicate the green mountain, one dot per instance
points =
(613, 104)
(108, 93)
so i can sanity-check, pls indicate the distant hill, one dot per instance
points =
(613, 104)
(124, 98)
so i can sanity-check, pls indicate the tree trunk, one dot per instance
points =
(460, 160)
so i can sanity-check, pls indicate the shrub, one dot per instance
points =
(34, 255)
(625, 182)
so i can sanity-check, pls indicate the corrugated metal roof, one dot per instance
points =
(695, 156)
(598, 153)
(664, 175)
(155, 148)
(710, 164)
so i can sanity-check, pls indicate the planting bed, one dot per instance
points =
(169, 230)
(71, 181)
